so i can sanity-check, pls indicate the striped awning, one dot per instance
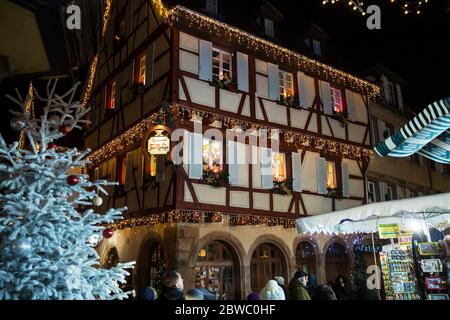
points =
(427, 134)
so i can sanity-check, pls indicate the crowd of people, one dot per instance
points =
(302, 286)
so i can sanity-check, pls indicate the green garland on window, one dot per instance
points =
(225, 83)
(334, 193)
(284, 188)
(342, 117)
(216, 180)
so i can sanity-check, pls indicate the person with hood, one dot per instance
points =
(342, 289)
(297, 289)
(323, 292)
(281, 283)
(172, 287)
(272, 291)
(147, 293)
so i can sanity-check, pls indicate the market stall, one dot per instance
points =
(411, 268)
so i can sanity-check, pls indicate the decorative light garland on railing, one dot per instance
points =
(201, 217)
(106, 15)
(193, 19)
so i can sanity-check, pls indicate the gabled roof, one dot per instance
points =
(379, 69)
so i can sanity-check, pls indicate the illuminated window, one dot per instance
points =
(139, 69)
(212, 155)
(278, 166)
(336, 100)
(331, 175)
(221, 64)
(286, 84)
(111, 95)
(150, 166)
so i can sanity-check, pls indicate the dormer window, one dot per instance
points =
(269, 27)
(212, 6)
(317, 51)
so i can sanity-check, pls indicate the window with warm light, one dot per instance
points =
(212, 155)
(150, 166)
(139, 69)
(286, 84)
(331, 175)
(336, 100)
(221, 64)
(111, 95)
(278, 166)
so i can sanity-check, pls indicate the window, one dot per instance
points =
(212, 155)
(389, 194)
(331, 175)
(121, 170)
(278, 166)
(336, 100)
(150, 166)
(139, 69)
(316, 48)
(111, 96)
(371, 196)
(269, 27)
(212, 6)
(119, 31)
(221, 64)
(391, 93)
(286, 84)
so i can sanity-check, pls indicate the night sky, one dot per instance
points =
(416, 47)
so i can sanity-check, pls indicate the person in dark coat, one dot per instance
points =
(172, 287)
(147, 293)
(342, 289)
(312, 283)
(253, 296)
(297, 289)
(200, 285)
(323, 292)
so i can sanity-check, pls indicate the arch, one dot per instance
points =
(268, 257)
(306, 257)
(222, 274)
(110, 258)
(147, 247)
(338, 260)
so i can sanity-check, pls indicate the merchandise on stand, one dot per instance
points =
(400, 281)
(433, 271)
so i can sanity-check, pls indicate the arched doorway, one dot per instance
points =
(267, 261)
(156, 266)
(112, 259)
(305, 257)
(217, 265)
(337, 262)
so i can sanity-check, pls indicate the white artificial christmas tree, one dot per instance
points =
(47, 221)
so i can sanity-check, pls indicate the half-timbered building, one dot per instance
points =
(216, 208)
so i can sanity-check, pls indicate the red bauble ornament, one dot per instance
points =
(72, 180)
(108, 233)
(52, 145)
(64, 129)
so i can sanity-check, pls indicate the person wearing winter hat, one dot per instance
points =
(253, 296)
(272, 291)
(297, 289)
(172, 287)
(194, 294)
(147, 293)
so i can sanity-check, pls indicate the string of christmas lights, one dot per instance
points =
(201, 217)
(106, 15)
(29, 107)
(407, 6)
(134, 135)
(87, 91)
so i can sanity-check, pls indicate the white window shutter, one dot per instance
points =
(256, 168)
(242, 71)
(399, 96)
(302, 90)
(266, 168)
(381, 129)
(345, 180)
(351, 107)
(326, 97)
(383, 190)
(384, 84)
(296, 171)
(274, 81)
(321, 176)
(195, 155)
(233, 167)
(186, 137)
(149, 65)
(205, 60)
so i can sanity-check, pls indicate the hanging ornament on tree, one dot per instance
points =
(72, 180)
(108, 233)
(51, 145)
(64, 129)
(18, 123)
(97, 201)
(22, 247)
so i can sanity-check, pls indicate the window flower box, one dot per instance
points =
(334, 193)
(225, 83)
(289, 101)
(342, 117)
(216, 179)
(284, 187)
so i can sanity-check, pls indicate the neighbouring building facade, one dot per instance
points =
(164, 68)
(398, 178)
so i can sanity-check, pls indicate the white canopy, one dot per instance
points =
(434, 210)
